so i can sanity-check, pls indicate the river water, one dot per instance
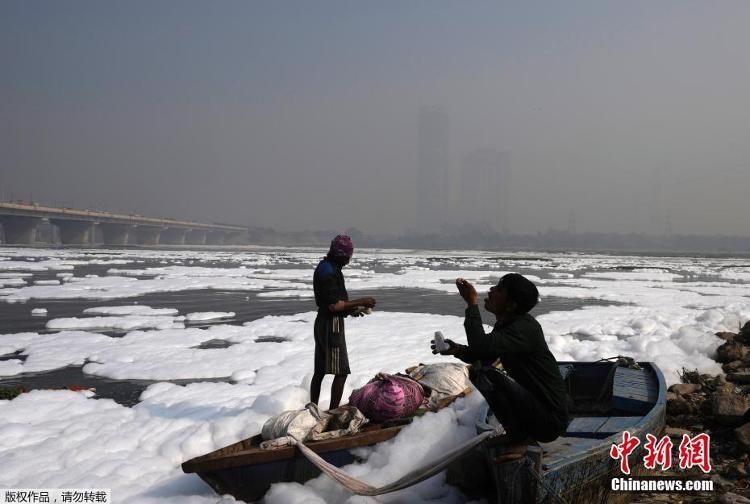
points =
(246, 304)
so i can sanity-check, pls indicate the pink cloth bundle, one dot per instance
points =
(387, 396)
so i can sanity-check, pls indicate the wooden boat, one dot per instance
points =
(246, 471)
(606, 399)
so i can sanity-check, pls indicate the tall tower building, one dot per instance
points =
(503, 191)
(433, 169)
(656, 211)
(572, 222)
(485, 189)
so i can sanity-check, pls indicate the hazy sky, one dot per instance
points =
(303, 115)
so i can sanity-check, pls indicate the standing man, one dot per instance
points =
(528, 396)
(333, 305)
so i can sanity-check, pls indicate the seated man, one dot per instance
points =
(529, 396)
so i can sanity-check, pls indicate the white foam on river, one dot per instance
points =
(664, 310)
(122, 323)
(204, 316)
(130, 310)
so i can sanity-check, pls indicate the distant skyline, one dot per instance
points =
(615, 116)
(434, 173)
(485, 190)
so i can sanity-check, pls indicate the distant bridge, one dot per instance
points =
(20, 221)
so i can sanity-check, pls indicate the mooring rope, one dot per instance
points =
(359, 487)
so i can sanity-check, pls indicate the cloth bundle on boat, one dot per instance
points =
(311, 424)
(443, 381)
(386, 397)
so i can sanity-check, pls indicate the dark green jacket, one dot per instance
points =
(523, 351)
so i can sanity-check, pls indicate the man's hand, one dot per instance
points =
(452, 348)
(366, 302)
(350, 306)
(360, 311)
(467, 291)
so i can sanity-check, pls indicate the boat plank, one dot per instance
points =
(585, 425)
(615, 425)
(565, 448)
(634, 393)
(600, 427)
(628, 383)
(254, 456)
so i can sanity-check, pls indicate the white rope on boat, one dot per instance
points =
(359, 487)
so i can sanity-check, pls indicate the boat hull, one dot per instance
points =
(250, 482)
(246, 472)
(578, 467)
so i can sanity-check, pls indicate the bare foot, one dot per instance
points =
(509, 451)
(509, 456)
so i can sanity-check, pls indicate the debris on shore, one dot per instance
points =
(9, 393)
(717, 405)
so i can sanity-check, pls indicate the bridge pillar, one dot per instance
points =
(215, 238)
(195, 237)
(73, 232)
(117, 234)
(20, 230)
(148, 235)
(174, 236)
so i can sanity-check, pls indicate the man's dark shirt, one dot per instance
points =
(328, 284)
(520, 345)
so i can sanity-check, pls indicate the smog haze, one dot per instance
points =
(389, 117)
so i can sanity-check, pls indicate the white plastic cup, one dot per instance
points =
(440, 344)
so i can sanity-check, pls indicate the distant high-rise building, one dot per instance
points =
(656, 211)
(572, 222)
(485, 189)
(433, 169)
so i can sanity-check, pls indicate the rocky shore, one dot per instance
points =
(718, 406)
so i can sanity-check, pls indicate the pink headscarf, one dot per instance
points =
(341, 246)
